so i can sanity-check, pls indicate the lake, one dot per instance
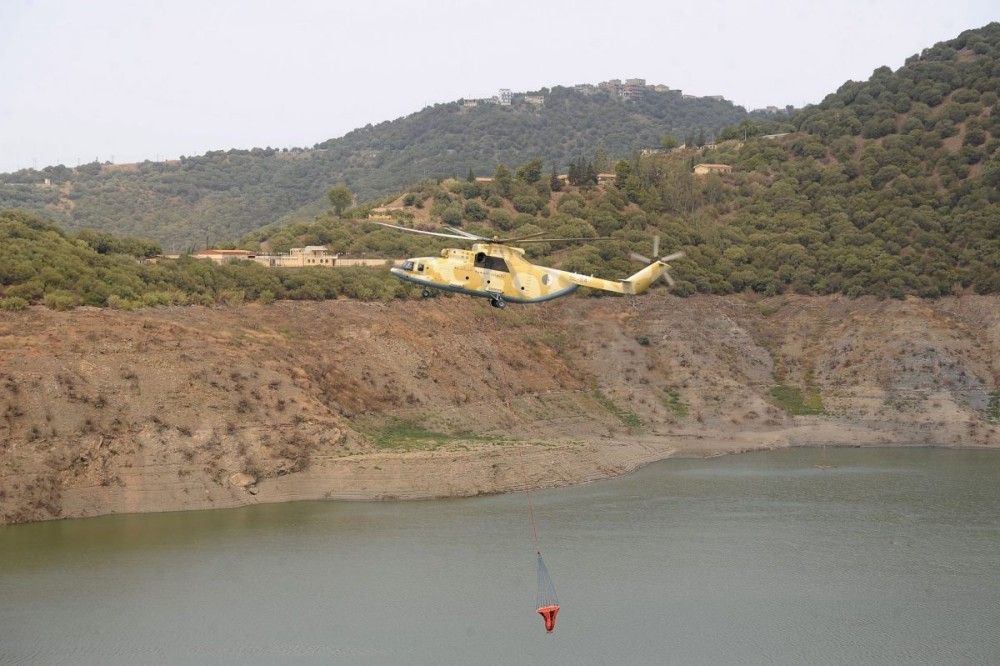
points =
(884, 556)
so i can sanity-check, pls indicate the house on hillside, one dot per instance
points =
(299, 257)
(224, 256)
(705, 169)
(632, 89)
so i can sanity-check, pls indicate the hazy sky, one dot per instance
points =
(134, 80)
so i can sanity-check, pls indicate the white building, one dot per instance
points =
(632, 89)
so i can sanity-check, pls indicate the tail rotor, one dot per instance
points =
(663, 260)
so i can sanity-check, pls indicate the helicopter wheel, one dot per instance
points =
(498, 303)
(426, 293)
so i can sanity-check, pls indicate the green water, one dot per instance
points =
(892, 556)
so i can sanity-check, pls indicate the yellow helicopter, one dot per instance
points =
(498, 271)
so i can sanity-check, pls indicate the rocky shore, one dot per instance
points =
(190, 408)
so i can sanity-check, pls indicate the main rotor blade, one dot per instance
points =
(670, 280)
(556, 240)
(638, 257)
(468, 235)
(671, 257)
(515, 239)
(656, 245)
(421, 231)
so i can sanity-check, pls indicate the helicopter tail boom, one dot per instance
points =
(634, 284)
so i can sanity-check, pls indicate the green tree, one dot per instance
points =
(622, 172)
(504, 181)
(669, 142)
(340, 198)
(601, 160)
(530, 172)
(555, 182)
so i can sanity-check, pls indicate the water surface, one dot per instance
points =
(889, 556)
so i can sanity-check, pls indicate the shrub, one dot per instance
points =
(232, 297)
(119, 303)
(60, 299)
(452, 215)
(526, 204)
(475, 211)
(501, 219)
(13, 304)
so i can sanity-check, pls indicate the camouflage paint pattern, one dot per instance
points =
(502, 272)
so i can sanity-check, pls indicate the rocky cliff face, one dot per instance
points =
(177, 408)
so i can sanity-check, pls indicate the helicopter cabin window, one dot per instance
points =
(420, 268)
(484, 260)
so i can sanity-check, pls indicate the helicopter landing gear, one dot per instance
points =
(426, 293)
(498, 303)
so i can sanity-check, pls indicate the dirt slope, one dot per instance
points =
(176, 408)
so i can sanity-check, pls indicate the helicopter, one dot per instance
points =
(495, 269)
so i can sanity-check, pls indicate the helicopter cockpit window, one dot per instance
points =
(484, 260)
(407, 265)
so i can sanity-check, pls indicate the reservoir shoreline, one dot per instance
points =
(456, 476)
(177, 408)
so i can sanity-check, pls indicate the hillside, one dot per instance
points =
(223, 195)
(889, 187)
(181, 408)
(40, 263)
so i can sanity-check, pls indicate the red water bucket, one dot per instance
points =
(548, 614)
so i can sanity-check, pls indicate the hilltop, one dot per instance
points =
(223, 195)
(888, 187)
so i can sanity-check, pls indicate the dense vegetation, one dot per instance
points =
(846, 202)
(41, 264)
(222, 195)
(888, 187)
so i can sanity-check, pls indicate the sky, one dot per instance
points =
(131, 80)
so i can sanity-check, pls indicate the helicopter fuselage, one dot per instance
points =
(497, 272)
(502, 274)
